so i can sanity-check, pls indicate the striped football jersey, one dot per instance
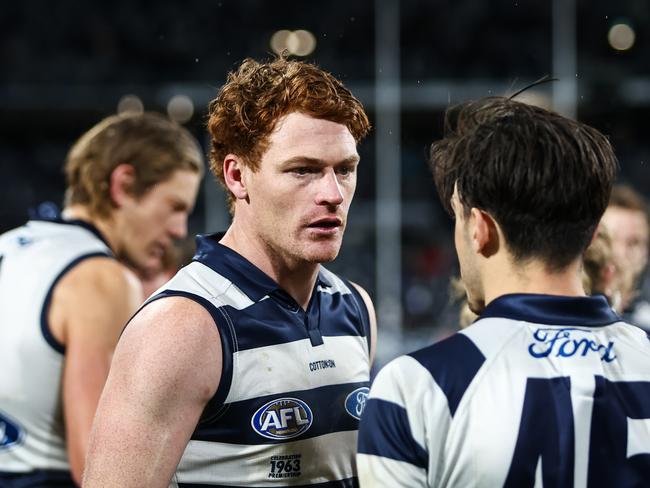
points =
(543, 391)
(293, 383)
(32, 434)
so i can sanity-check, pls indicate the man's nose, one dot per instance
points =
(330, 192)
(178, 226)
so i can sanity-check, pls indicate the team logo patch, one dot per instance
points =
(568, 342)
(283, 418)
(355, 402)
(10, 432)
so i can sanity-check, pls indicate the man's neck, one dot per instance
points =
(105, 226)
(297, 278)
(532, 277)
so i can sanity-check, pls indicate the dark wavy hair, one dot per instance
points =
(544, 178)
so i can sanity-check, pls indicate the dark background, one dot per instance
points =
(65, 65)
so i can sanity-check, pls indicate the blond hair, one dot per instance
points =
(153, 145)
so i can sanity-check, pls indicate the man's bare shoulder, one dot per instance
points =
(174, 323)
(98, 291)
(172, 343)
(101, 274)
(172, 312)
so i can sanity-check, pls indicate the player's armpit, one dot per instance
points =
(166, 368)
(90, 306)
(372, 318)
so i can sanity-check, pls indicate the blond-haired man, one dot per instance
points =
(66, 291)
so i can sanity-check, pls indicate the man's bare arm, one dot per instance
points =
(167, 366)
(89, 308)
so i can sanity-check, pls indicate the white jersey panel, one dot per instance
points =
(34, 257)
(562, 401)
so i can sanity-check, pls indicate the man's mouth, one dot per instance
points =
(159, 249)
(327, 223)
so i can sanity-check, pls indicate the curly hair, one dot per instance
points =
(257, 95)
(154, 145)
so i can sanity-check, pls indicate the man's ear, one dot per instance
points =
(121, 184)
(233, 173)
(484, 233)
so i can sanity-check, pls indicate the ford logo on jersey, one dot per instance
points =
(283, 418)
(355, 402)
(10, 432)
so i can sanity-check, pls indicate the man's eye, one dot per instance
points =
(345, 170)
(303, 171)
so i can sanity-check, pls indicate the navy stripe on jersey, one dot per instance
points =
(340, 319)
(45, 324)
(346, 483)
(39, 478)
(453, 363)
(341, 310)
(322, 401)
(228, 346)
(387, 433)
(592, 311)
(229, 263)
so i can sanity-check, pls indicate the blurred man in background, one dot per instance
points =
(548, 387)
(64, 297)
(252, 365)
(627, 221)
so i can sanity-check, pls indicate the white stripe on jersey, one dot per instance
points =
(257, 375)
(329, 450)
(413, 380)
(379, 472)
(207, 283)
(338, 286)
(638, 433)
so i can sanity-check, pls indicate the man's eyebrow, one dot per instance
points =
(319, 162)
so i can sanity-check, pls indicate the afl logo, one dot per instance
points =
(10, 433)
(355, 402)
(283, 418)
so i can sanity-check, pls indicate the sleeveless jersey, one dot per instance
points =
(32, 260)
(540, 391)
(293, 383)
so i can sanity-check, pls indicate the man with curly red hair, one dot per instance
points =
(252, 364)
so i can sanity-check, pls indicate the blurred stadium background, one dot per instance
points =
(66, 64)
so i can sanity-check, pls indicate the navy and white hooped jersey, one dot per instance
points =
(293, 384)
(541, 391)
(32, 260)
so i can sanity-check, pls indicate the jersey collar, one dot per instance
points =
(79, 223)
(591, 311)
(236, 268)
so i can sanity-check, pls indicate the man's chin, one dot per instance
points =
(322, 254)
(147, 266)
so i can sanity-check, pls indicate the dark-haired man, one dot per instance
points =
(548, 387)
(251, 368)
(64, 297)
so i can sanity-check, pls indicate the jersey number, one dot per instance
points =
(619, 437)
